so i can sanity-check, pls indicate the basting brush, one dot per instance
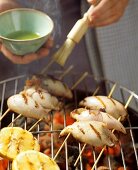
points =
(73, 38)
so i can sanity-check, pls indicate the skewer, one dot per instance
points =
(61, 146)
(35, 124)
(66, 72)
(112, 90)
(15, 119)
(96, 90)
(126, 105)
(47, 67)
(109, 96)
(61, 77)
(79, 80)
(100, 154)
(94, 93)
(73, 87)
(4, 114)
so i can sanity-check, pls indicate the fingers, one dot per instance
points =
(92, 1)
(101, 23)
(49, 43)
(42, 52)
(106, 12)
(108, 17)
(18, 59)
(26, 59)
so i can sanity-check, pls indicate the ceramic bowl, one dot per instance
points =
(24, 30)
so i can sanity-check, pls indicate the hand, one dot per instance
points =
(106, 12)
(41, 53)
(8, 4)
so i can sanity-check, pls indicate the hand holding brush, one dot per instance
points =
(73, 38)
(100, 13)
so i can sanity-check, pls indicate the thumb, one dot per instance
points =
(0, 46)
(91, 1)
(90, 13)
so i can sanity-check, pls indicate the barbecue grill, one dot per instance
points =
(82, 85)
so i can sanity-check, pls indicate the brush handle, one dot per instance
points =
(74, 37)
(79, 29)
(81, 26)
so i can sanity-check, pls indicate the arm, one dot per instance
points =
(42, 52)
(106, 12)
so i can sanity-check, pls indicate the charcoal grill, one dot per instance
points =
(84, 87)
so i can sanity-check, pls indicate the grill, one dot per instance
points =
(82, 86)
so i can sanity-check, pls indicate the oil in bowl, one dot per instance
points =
(23, 30)
(23, 35)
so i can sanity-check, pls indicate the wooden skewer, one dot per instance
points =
(15, 119)
(112, 90)
(66, 72)
(96, 91)
(109, 96)
(80, 154)
(61, 146)
(35, 124)
(47, 67)
(4, 114)
(126, 105)
(98, 158)
(83, 76)
(61, 77)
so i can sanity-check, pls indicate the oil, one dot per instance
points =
(23, 35)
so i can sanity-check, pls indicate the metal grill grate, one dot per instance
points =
(86, 86)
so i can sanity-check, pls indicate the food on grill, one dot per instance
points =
(91, 132)
(14, 140)
(44, 98)
(33, 160)
(52, 85)
(109, 105)
(34, 103)
(83, 114)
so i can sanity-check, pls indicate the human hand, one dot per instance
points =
(106, 12)
(26, 59)
(8, 4)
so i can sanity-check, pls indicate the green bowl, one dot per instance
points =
(24, 30)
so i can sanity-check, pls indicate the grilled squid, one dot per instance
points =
(33, 103)
(83, 114)
(91, 132)
(44, 98)
(27, 107)
(109, 105)
(52, 85)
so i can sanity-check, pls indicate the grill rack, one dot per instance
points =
(87, 85)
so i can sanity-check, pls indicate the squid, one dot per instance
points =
(105, 104)
(34, 103)
(91, 132)
(44, 98)
(52, 85)
(83, 114)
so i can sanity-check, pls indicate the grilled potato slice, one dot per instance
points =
(33, 160)
(14, 140)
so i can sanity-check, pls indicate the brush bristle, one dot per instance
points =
(63, 53)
